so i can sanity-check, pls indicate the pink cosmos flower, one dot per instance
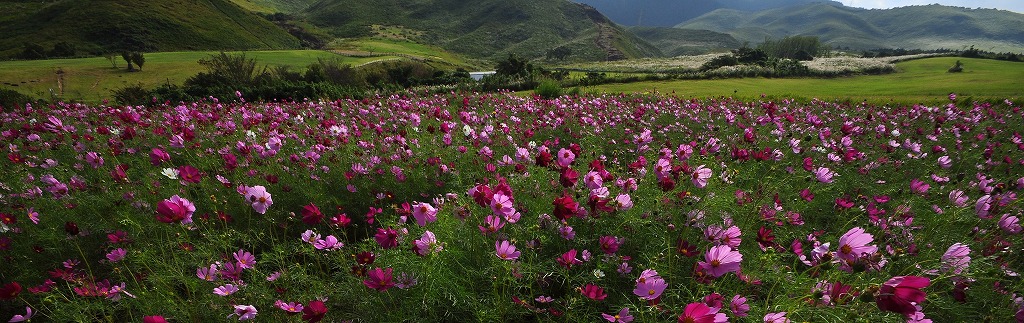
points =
(157, 156)
(700, 176)
(593, 292)
(22, 318)
(424, 213)
(259, 198)
(623, 316)
(291, 307)
(116, 255)
(33, 215)
(777, 317)
(505, 250)
(593, 180)
(207, 273)
(854, 243)
(700, 313)
(945, 162)
(565, 157)
(244, 312)
(918, 186)
(245, 259)
(623, 202)
(721, 260)
(956, 259)
(491, 224)
(739, 306)
(650, 288)
(225, 290)
(502, 205)
(568, 259)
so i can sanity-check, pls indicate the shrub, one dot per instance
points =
(720, 61)
(132, 95)
(548, 89)
(9, 99)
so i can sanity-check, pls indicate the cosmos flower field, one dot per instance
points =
(500, 208)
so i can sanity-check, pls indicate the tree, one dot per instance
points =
(112, 58)
(514, 66)
(138, 59)
(959, 67)
(63, 49)
(32, 51)
(127, 56)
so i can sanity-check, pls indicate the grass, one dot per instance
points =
(402, 47)
(93, 79)
(924, 80)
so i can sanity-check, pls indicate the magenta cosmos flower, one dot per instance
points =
(379, 279)
(427, 244)
(700, 313)
(424, 213)
(505, 250)
(777, 317)
(650, 288)
(259, 198)
(175, 209)
(854, 243)
(721, 260)
(901, 293)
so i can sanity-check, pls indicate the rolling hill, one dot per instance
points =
(96, 26)
(677, 41)
(488, 28)
(667, 13)
(924, 27)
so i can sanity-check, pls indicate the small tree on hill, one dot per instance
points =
(514, 66)
(959, 67)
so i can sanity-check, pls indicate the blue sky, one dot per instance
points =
(1012, 5)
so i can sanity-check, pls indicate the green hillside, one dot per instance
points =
(925, 27)
(95, 26)
(273, 6)
(678, 41)
(488, 28)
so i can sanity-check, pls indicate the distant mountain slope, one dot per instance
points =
(274, 6)
(95, 26)
(667, 13)
(678, 41)
(488, 28)
(925, 27)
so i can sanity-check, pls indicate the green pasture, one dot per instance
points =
(378, 46)
(924, 80)
(93, 79)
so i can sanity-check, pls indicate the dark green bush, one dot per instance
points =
(548, 89)
(9, 99)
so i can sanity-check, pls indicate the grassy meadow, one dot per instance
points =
(924, 80)
(93, 79)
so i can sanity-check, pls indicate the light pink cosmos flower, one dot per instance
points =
(958, 198)
(427, 244)
(721, 260)
(593, 180)
(854, 243)
(244, 312)
(983, 206)
(1010, 224)
(623, 316)
(259, 198)
(424, 213)
(565, 157)
(777, 317)
(505, 250)
(207, 273)
(328, 243)
(623, 202)
(956, 259)
(33, 215)
(945, 162)
(700, 176)
(225, 290)
(824, 175)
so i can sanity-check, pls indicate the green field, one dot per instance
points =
(93, 79)
(378, 46)
(924, 80)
